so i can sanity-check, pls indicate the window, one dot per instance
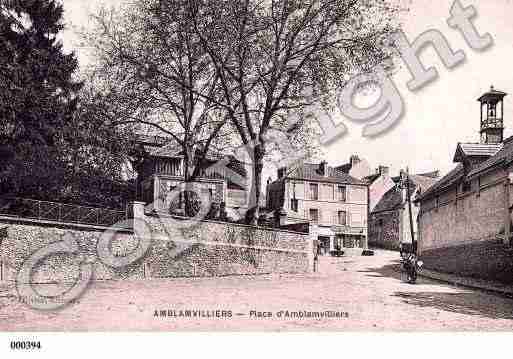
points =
(327, 192)
(314, 192)
(314, 215)
(342, 216)
(294, 204)
(465, 187)
(342, 193)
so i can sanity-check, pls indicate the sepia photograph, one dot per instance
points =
(258, 166)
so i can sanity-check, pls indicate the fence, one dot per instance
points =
(59, 212)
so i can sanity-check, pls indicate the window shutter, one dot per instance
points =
(348, 221)
(334, 218)
(320, 216)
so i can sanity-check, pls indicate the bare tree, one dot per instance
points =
(273, 57)
(155, 75)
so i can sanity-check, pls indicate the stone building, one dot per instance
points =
(465, 218)
(162, 171)
(389, 220)
(334, 204)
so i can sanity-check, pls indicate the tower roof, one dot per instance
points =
(493, 94)
(464, 150)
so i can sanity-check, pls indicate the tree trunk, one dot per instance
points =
(258, 165)
(188, 163)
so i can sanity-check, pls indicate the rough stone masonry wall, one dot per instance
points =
(384, 229)
(216, 248)
(26, 238)
(211, 249)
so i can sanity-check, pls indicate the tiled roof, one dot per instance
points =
(151, 140)
(450, 178)
(344, 168)
(433, 174)
(310, 172)
(391, 200)
(370, 179)
(171, 149)
(505, 154)
(476, 149)
(423, 182)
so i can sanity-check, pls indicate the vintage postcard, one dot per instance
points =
(258, 165)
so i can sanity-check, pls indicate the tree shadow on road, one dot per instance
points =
(468, 303)
(391, 270)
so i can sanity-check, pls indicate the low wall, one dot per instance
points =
(206, 249)
(215, 248)
(488, 259)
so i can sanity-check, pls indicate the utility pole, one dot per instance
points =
(408, 196)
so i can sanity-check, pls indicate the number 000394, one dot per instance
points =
(25, 345)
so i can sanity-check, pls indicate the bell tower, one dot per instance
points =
(492, 116)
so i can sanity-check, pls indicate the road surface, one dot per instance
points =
(347, 294)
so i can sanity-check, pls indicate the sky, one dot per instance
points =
(437, 116)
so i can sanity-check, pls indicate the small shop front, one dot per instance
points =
(338, 238)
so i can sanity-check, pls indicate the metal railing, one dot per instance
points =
(59, 212)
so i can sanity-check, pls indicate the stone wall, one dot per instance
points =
(384, 229)
(25, 238)
(215, 248)
(459, 232)
(489, 259)
(207, 249)
(456, 219)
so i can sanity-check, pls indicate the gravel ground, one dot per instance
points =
(365, 292)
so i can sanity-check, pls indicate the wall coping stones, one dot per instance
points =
(62, 225)
(155, 215)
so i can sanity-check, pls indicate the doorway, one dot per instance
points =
(324, 245)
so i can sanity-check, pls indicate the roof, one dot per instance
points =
(150, 140)
(310, 172)
(171, 150)
(393, 198)
(446, 181)
(476, 150)
(433, 174)
(346, 167)
(504, 155)
(493, 93)
(424, 182)
(370, 179)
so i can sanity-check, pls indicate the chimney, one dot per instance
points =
(323, 168)
(354, 159)
(383, 170)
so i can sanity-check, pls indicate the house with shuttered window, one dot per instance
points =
(161, 173)
(333, 203)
